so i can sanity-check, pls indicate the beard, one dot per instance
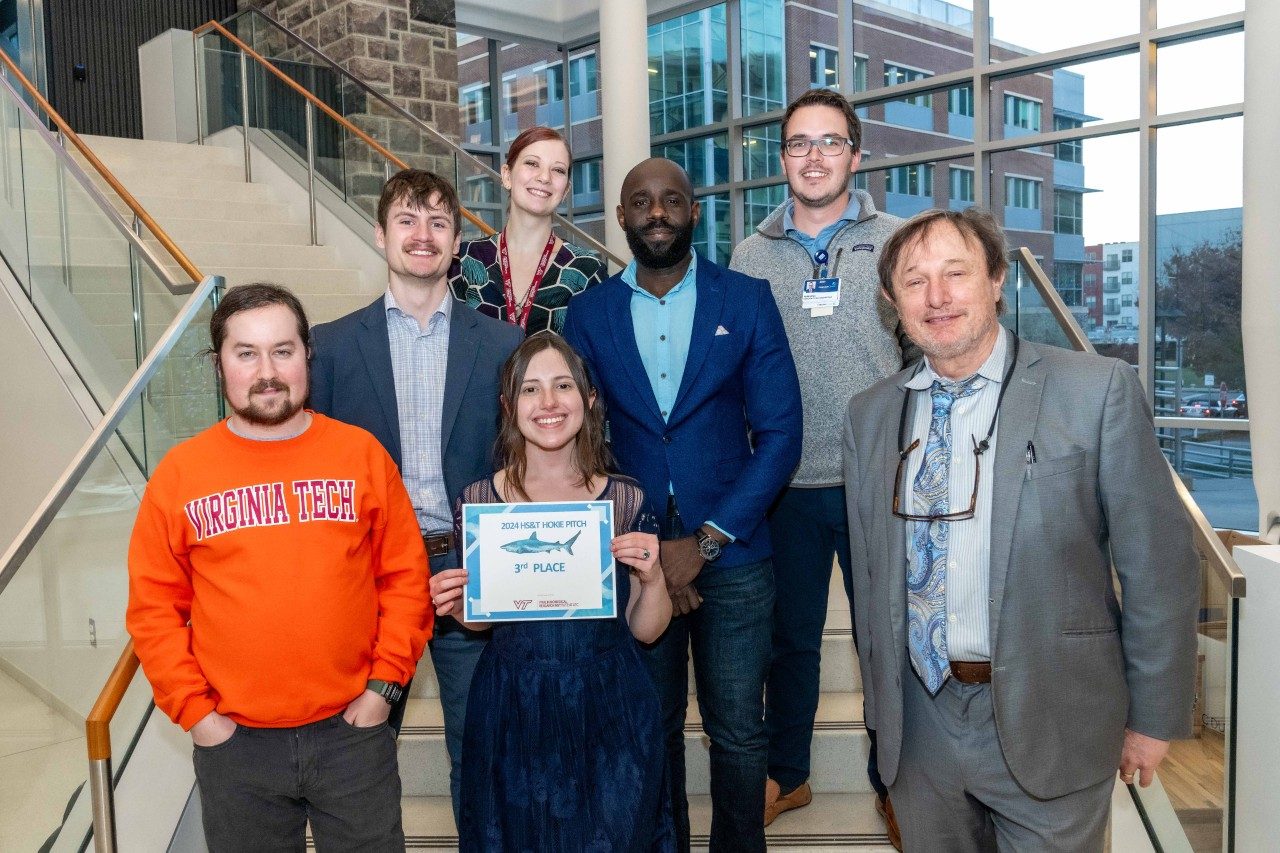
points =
(258, 414)
(659, 260)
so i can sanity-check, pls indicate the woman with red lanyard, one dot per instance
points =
(525, 274)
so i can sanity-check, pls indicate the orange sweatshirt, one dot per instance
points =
(269, 580)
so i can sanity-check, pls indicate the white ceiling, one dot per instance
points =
(558, 21)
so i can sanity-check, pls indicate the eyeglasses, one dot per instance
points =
(963, 515)
(828, 146)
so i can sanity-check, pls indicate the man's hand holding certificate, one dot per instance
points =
(538, 561)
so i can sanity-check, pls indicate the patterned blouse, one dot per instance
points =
(477, 280)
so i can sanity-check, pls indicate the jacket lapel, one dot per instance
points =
(895, 532)
(464, 347)
(706, 319)
(618, 314)
(375, 347)
(1019, 413)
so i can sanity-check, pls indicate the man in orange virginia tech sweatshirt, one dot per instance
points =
(278, 599)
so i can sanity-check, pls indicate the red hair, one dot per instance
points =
(537, 133)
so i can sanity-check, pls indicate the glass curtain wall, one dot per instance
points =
(958, 112)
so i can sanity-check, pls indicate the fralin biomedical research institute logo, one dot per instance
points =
(522, 603)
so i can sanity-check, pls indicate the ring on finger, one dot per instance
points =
(646, 553)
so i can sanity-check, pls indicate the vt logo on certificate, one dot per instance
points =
(538, 561)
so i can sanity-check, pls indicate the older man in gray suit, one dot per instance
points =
(991, 491)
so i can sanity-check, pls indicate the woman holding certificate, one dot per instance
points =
(525, 274)
(563, 749)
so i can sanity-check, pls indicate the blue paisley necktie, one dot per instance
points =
(927, 576)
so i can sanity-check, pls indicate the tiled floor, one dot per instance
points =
(42, 761)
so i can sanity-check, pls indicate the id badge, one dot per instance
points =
(820, 293)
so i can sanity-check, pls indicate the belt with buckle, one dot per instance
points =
(438, 543)
(971, 671)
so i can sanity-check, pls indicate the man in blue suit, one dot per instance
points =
(704, 410)
(419, 370)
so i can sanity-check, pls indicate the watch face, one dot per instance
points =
(709, 548)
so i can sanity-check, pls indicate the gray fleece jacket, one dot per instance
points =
(839, 355)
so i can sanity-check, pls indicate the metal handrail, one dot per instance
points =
(472, 160)
(112, 181)
(327, 110)
(1207, 540)
(139, 245)
(97, 729)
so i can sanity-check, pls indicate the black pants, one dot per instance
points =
(259, 788)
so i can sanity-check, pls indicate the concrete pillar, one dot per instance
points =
(1260, 310)
(624, 75)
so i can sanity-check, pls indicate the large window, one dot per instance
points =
(688, 71)
(895, 74)
(961, 185)
(824, 67)
(583, 75)
(1068, 212)
(960, 101)
(1021, 112)
(1022, 192)
(859, 73)
(909, 180)
(1072, 150)
(763, 49)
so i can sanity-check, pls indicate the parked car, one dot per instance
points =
(1237, 407)
(1201, 406)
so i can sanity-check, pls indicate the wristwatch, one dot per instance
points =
(708, 547)
(388, 690)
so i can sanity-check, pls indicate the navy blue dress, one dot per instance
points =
(563, 749)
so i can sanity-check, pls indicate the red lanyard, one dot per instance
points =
(527, 304)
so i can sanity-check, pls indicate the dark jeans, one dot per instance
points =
(809, 528)
(259, 788)
(454, 654)
(729, 635)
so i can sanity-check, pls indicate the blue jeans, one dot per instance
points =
(808, 528)
(729, 635)
(454, 654)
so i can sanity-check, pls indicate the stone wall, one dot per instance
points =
(387, 45)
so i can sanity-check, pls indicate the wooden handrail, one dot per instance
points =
(484, 227)
(171, 247)
(97, 726)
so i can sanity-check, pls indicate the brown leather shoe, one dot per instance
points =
(798, 798)
(885, 809)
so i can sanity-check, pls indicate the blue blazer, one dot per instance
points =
(732, 440)
(351, 380)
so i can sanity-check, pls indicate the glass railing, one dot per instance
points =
(99, 288)
(1191, 805)
(63, 590)
(352, 151)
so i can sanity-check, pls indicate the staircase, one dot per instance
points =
(842, 815)
(242, 231)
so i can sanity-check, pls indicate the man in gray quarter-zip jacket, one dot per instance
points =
(818, 250)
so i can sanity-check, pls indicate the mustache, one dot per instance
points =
(268, 385)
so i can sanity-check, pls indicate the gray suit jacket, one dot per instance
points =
(1071, 668)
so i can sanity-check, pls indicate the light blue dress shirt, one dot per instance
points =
(969, 549)
(418, 360)
(815, 243)
(663, 330)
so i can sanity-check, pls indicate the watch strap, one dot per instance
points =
(388, 690)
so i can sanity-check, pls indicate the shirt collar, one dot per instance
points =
(690, 275)
(992, 369)
(851, 212)
(445, 309)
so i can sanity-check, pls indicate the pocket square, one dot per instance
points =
(721, 330)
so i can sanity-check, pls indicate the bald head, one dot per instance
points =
(666, 172)
(658, 213)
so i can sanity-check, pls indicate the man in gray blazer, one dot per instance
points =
(991, 489)
(420, 370)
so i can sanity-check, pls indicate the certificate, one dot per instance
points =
(538, 561)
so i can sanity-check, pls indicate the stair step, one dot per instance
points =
(113, 149)
(840, 747)
(831, 822)
(254, 254)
